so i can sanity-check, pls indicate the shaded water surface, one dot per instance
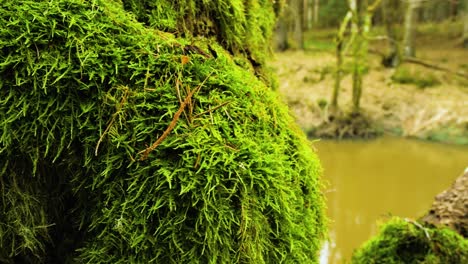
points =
(371, 180)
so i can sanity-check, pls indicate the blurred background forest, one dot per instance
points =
(397, 63)
(392, 69)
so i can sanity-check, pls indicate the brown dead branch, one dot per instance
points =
(144, 153)
(433, 66)
(425, 64)
(168, 130)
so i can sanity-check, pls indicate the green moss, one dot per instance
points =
(85, 88)
(319, 45)
(322, 103)
(402, 241)
(404, 75)
(450, 134)
(242, 27)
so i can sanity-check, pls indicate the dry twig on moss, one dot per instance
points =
(144, 153)
(111, 123)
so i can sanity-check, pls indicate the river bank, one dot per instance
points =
(411, 101)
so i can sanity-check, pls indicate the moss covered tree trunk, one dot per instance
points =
(340, 40)
(316, 11)
(361, 24)
(142, 131)
(360, 18)
(359, 49)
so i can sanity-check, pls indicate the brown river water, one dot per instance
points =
(368, 181)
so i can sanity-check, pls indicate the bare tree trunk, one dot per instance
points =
(410, 27)
(339, 71)
(390, 11)
(310, 14)
(453, 9)
(465, 29)
(281, 34)
(305, 16)
(316, 11)
(297, 6)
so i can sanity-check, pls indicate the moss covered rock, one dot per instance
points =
(124, 142)
(405, 241)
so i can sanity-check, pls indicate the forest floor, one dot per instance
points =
(411, 101)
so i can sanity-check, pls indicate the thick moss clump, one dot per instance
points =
(237, 24)
(243, 28)
(406, 242)
(126, 143)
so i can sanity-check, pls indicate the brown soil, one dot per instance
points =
(439, 112)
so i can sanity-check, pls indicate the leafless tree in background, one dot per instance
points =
(297, 7)
(411, 18)
(465, 23)
(390, 12)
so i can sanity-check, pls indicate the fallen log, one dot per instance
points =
(450, 208)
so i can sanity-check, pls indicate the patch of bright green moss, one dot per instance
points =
(406, 242)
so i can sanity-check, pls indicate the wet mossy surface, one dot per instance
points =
(406, 241)
(85, 92)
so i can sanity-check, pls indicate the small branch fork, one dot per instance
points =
(144, 153)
